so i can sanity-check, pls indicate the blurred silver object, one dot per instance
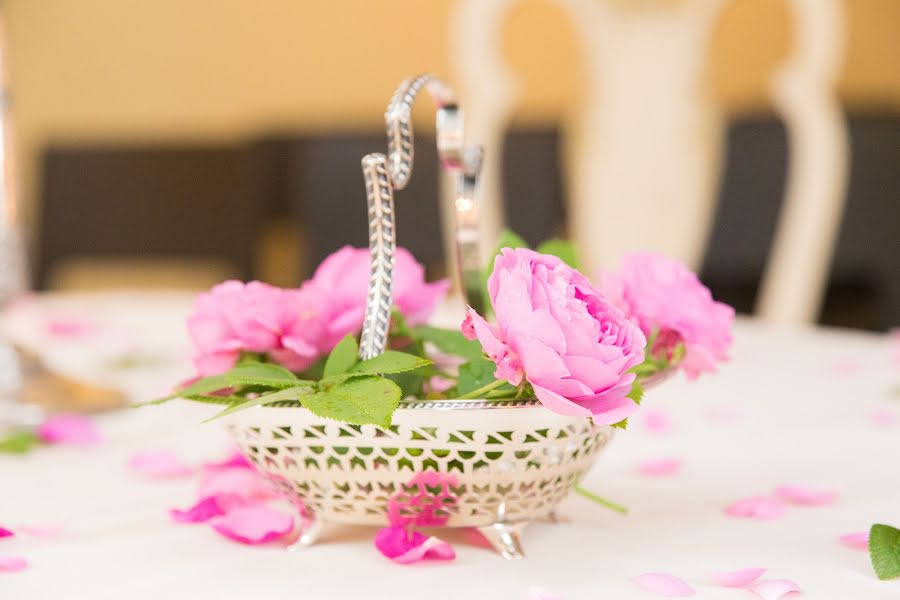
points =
(460, 162)
(27, 388)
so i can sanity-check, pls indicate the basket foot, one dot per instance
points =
(312, 529)
(505, 538)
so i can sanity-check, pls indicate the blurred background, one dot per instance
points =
(171, 144)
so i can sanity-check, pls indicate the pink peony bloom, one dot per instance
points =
(660, 293)
(555, 330)
(234, 317)
(343, 279)
(405, 547)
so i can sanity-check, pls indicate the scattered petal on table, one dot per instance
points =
(204, 510)
(775, 589)
(253, 524)
(757, 507)
(68, 429)
(806, 496)
(71, 328)
(234, 460)
(659, 467)
(858, 540)
(5, 532)
(39, 530)
(238, 481)
(737, 579)
(657, 421)
(160, 464)
(403, 547)
(536, 593)
(885, 418)
(12, 564)
(664, 584)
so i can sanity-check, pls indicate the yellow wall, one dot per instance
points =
(214, 69)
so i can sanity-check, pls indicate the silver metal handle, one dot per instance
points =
(384, 174)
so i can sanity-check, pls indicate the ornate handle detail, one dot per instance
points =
(384, 174)
(382, 246)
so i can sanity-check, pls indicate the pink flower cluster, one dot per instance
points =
(295, 327)
(662, 294)
(561, 335)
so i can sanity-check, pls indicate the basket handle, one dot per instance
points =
(384, 174)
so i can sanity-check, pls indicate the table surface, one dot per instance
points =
(794, 406)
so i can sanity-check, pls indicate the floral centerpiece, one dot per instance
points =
(357, 408)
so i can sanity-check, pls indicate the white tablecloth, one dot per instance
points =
(793, 407)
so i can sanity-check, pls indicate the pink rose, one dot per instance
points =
(662, 294)
(343, 280)
(555, 330)
(234, 317)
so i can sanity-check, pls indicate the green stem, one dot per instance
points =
(483, 389)
(601, 500)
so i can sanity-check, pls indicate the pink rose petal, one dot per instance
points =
(664, 584)
(234, 481)
(235, 459)
(659, 467)
(857, 541)
(159, 464)
(757, 507)
(253, 524)
(737, 579)
(805, 496)
(68, 429)
(536, 593)
(5, 532)
(775, 589)
(71, 328)
(12, 564)
(405, 548)
(657, 421)
(885, 418)
(202, 511)
(39, 530)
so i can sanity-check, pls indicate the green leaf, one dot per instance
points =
(293, 393)
(342, 358)
(563, 249)
(450, 341)
(202, 387)
(19, 442)
(390, 362)
(623, 424)
(265, 374)
(637, 392)
(475, 374)
(884, 551)
(361, 401)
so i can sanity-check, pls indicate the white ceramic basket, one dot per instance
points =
(488, 465)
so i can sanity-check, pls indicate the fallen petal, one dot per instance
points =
(659, 467)
(234, 481)
(12, 564)
(405, 548)
(857, 541)
(805, 496)
(71, 328)
(5, 532)
(68, 429)
(657, 421)
(39, 530)
(202, 511)
(885, 418)
(757, 507)
(774, 589)
(536, 593)
(737, 579)
(159, 464)
(664, 584)
(253, 524)
(235, 460)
